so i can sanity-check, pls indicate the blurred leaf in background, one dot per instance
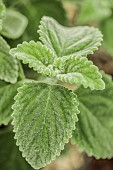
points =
(7, 94)
(10, 156)
(94, 133)
(98, 13)
(107, 30)
(34, 10)
(14, 24)
(94, 10)
(2, 14)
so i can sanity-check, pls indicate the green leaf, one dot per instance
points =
(7, 94)
(107, 29)
(2, 83)
(94, 10)
(44, 117)
(94, 133)
(2, 14)
(10, 156)
(78, 70)
(8, 64)
(34, 10)
(65, 41)
(14, 24)
(74, 70)
(36, 55)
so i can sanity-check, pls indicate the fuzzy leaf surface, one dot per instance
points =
(14, 24)
(10, 156)
(38, 56)
(78, 70)
(7, 94)
(74, 70)
(65, 41)
(94, 133)
(43, 118)
(8, 63)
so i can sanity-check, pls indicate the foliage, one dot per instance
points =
(34, 10)
(46, 114)
(94, 122)
(10, 156)
(100, 14)
(49, 135)
(8, 63)
(49, 124)
(7, 93)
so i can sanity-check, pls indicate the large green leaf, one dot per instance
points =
(7, 94)
(44, 117)
(8, 63)
(14, 24)
(36, 55)
(65, 41)
(94, 133)
(10, 156)
(2, 14)
(94, 10)
(78, 70)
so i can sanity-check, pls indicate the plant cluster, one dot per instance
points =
(45, 112)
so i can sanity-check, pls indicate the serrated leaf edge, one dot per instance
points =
(66, 139)
(97, 31)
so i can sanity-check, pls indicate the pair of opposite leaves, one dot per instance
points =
(43, 124)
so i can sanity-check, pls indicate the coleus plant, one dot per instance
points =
(45, 114)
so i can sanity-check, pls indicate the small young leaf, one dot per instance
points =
(2, 14)
(64, 41)
(10, 156)
(7, 94)
(36, 55)
(74, 70)
(78, 70)
(43, 118)
(94, 133)
(8, 63)
(14, 24)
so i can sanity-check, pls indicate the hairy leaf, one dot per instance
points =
(44, 117)
(78, 70)
(10, 156)
(94, 133)
(36, 55)
(74, 70)
(8, 64)
(14, 24)
(94, 10)
(2, 14)
(65, 41)
(7, 94)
